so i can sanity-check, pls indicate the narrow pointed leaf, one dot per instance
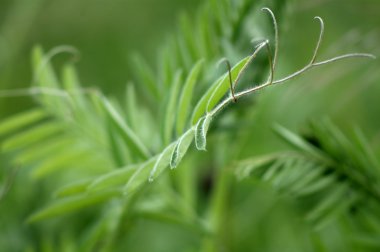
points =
(74, 188)
(139, 177)
(201, 132)
(112, 179)
(146, 76)
(126, 133)
(31, 136)
(171, 108)
(68, 205)
(21, 120)
(181, 148)
(300, 143)
(216, 92)
(162, 162)
(186, 96)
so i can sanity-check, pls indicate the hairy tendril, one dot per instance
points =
(272, 64)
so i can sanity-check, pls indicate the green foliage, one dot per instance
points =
(107, 162)
(328, 173)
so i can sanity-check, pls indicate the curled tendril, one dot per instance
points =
(275, 26)
(319, 39)
(271, 64)
(232, 88)
(53, 52)
(271, 81)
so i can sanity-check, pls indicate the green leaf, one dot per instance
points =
(300, 143)
(131, 106)
(201, 132)
(186, 96)
(314, 173)
(318, 185)
(166, 68)
(162, 161)
(119, 152)
(336, 210)
(146, 76)
(183, 53)
(45, 148)
(68, 205)
(43, 71)
(113, 179)
(216, 92)
(66, 158)
(181, 148)
(329, 202)
(188, 35)
(33, 135)
(171, 108)
(74, 188)
(249, 166)
(21, 120)
(125, 132)
(140, 176)
(70, 78)
(271, 172)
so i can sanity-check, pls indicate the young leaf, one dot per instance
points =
(70, 78)
(42, 69)
(171, 108)
(31, 136)
(74, 188)
(314, 173)
(162, 161)
(43, 149)
(21, 120)
(126, 133)
(146, 76)
(334, 196)
(67, 158)
(300, 143)
(318, 185)
(186, 95)
(112, 179)
(131, 106)
(217, 90)
(249, 166)
(68, 205)
(181, 148)
(139, 177)
(201, 132)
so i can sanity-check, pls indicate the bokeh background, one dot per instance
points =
(108, 33)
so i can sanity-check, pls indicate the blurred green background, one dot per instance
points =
(105, 33)
(108, 33)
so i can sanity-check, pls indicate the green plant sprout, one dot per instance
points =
(208, 106)
(200, 128)
(270, 80)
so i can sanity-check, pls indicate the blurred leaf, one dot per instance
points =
(74, 188)
(68, 205)
(125, 132)
(186, 96)
(21, 120)
(146, 76)
(33, 135)
(171, 107)
(112, 179)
